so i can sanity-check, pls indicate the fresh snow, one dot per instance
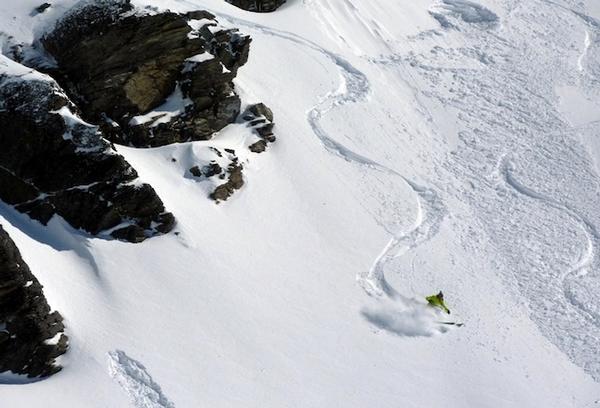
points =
(422, 145)
(18, 72)
(205, 56)
(196, 25)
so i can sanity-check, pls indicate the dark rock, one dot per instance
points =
(26, 319)
(51, 162)
(258, 147)
(217, 151)
(196, 172)
(260, 109)
(235, 181)
(259, 6)
(120, 67)
(260, 118)
(166, 222)
(211, 169)
(43, 7)
(265, 131)
(130, 233)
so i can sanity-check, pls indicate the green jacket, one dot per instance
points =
(438, 301)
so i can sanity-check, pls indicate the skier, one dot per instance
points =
(437, 301)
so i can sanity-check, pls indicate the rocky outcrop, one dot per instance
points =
(52, 162)
(260, 118)
(222, 173)
(207, 171)
(259, 6)
(235, 181)
(42, 8)
(149, 79)
(31, 335)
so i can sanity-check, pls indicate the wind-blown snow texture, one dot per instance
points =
(423, 145)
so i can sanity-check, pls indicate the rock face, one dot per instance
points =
(259, 6)
(150, 79)
(52, 162)
(31, 336)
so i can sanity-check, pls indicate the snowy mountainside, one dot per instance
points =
(426, 145)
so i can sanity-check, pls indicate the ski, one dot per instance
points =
(452, 324)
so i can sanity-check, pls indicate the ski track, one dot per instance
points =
(431, 213)
(586, 46)
(133, 377)
(593, 25)
(354, 88)
(504, 102)
(588, 259)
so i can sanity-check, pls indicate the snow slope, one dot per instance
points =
(423, 145)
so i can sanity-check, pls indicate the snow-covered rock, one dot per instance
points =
(260, 118)
(52, 162)
(150, 78)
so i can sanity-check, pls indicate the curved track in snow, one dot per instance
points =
(354, 88)
(498, 80)
(589, 256)
(431, 213)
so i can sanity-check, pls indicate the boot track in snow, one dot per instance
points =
(133, 377)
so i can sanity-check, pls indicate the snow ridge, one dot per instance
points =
(133, 377)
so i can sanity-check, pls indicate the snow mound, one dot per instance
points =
(467, 11)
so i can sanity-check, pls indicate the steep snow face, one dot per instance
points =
(520, 151)
(422, 146)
